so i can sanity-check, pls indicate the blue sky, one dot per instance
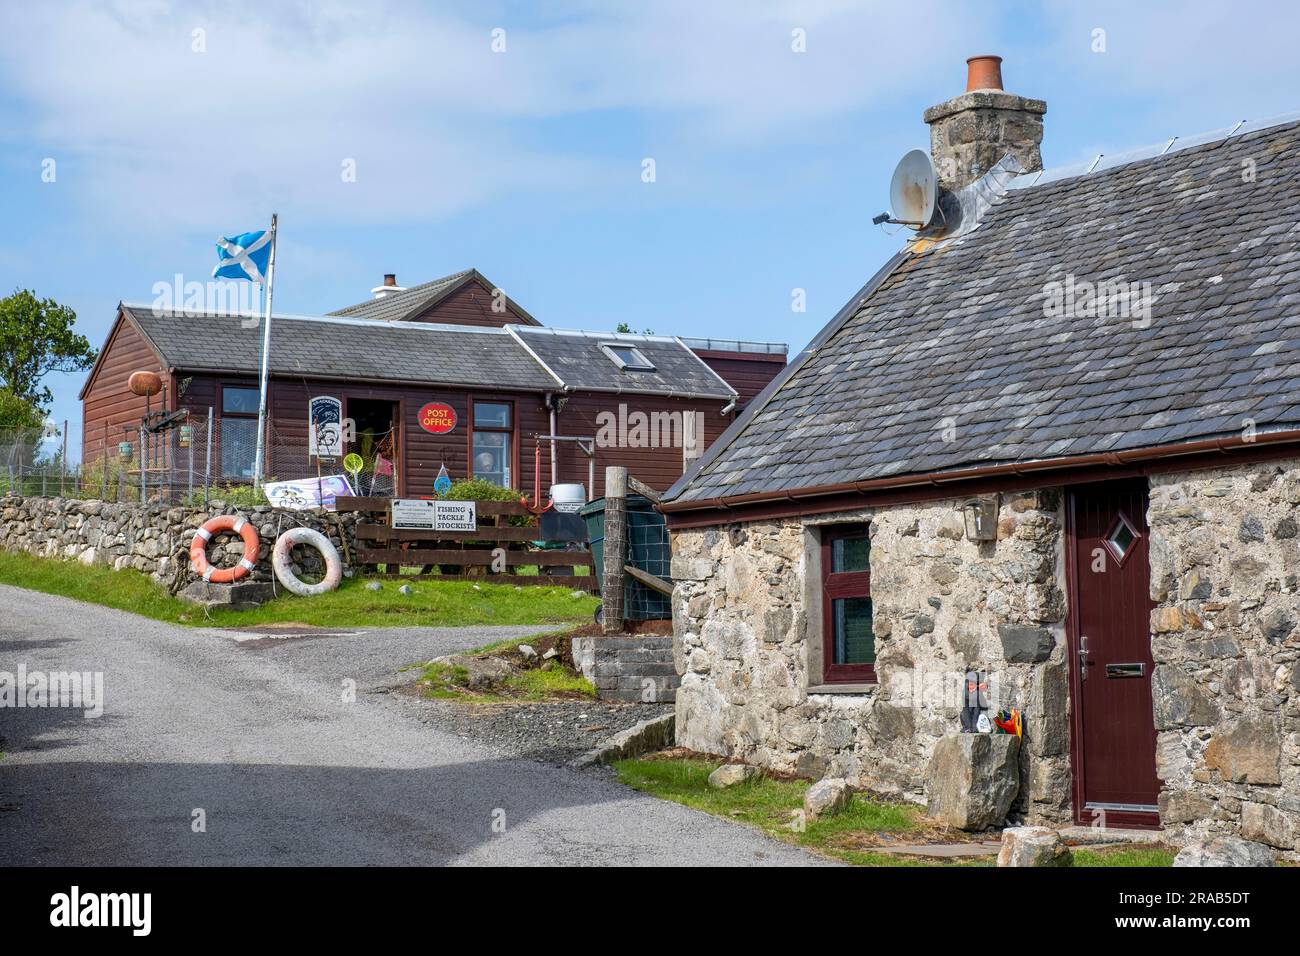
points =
(527, 163)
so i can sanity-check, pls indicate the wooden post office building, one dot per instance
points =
(448, 373)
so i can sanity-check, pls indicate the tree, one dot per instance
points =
(36, 338)
(625, 329)
(17, 412)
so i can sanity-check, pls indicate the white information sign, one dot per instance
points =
(421, 514)
(414, 513)
(455, 516)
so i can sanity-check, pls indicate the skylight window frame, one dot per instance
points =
(642, 364)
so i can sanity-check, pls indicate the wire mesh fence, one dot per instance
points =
(186, 457)
(34, 461)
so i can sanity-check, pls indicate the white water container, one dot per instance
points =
(568, 498)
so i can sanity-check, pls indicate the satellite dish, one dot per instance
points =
(913, 189)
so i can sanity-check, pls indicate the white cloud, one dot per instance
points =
(435, 121)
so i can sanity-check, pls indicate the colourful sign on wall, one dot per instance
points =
(438, 418)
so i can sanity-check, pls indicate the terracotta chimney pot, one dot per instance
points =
(984, 73)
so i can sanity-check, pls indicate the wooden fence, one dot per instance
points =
(466, 555)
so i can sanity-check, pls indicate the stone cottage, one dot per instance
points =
(1053, 441)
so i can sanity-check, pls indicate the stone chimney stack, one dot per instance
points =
(971, 132)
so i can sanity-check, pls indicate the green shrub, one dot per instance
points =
(232, 493)
(91, 483)
(479, 489)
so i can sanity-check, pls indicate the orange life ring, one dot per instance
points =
(199, 549)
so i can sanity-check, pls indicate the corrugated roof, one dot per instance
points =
(956, 359)
(328, 347)
(577, 359)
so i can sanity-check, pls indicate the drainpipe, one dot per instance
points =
(555, 473)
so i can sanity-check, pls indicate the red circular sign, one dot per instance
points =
(438, 418)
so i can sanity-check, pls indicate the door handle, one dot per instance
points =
(1083, 657)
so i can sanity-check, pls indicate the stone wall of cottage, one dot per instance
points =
(1226, 643)
(147, 538)
(942, 605)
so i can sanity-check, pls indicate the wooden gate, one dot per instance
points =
(494, 553)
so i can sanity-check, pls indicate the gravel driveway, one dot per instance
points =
(267, 746)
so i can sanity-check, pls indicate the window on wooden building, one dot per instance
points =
(238, 433)
(849, 643)
(493, 442)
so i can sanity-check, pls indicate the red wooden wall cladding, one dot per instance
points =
(107, 402)
(471, 304)
(746, 372)
(422, 453)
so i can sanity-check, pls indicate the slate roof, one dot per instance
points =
(416, 299)
(576, 359)
(365, 350)
(957, 333)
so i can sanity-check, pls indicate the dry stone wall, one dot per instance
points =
(147, 538)
(1226, 643)
(942, 605)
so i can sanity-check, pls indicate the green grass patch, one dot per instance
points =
(770, 805)
(434, 603)
(855, 836)
(538, 684)
(552, 681)
(1124, 856)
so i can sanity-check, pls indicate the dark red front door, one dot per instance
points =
(1110, 654)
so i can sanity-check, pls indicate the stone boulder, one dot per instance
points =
(1248, 751)
(1264, 824)
(973, 779)
(1033, 846)
(481, 671)
(730, 774)
(827, 797)
(241, 595)
(1225, 851)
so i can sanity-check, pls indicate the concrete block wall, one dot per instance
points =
(637, 668)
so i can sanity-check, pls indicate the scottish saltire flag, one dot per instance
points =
(243, 257)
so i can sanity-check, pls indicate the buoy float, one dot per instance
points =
(145, 383)
(282, 561)
(199, 549)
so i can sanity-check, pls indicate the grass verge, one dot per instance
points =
(1124, 856)
(859, 835)
(770, 804)
(551, 680)
(434, 603)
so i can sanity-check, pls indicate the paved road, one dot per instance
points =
(258, 736)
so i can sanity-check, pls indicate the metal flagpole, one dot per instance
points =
(266, 361)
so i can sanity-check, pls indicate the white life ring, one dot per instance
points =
(282, 561)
